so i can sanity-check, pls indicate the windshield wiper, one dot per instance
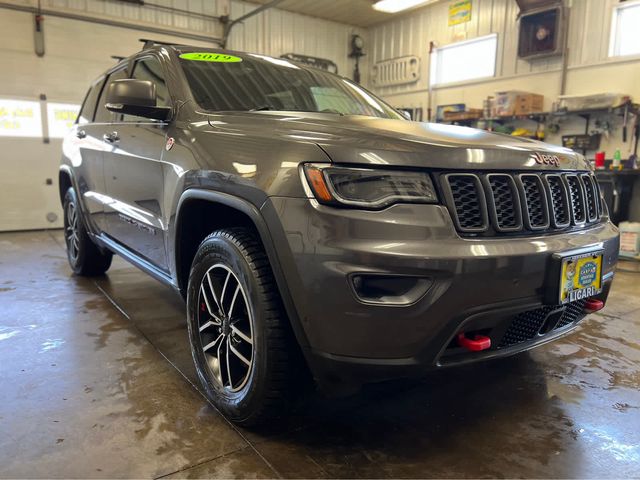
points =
(262, 108)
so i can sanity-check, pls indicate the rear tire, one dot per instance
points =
(85, 258)
(241, 341)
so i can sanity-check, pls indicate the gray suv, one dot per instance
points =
(311, 228)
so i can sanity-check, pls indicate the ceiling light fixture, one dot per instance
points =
(393, 6)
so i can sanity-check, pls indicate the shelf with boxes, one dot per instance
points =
(507, 112)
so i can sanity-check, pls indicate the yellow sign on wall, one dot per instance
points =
(20, 118)
(61, 117)
(459, 12)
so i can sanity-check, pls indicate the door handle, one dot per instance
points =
(111, 137)
(81, 134)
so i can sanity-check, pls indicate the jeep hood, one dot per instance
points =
(368, 140)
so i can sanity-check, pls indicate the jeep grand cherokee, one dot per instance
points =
(311, 227)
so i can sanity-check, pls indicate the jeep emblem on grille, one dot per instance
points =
(544, 159)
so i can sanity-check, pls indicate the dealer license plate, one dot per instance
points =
(581, 276)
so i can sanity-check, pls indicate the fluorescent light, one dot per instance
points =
(393, 6)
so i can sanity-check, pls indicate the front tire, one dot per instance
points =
(240, 337)
(85, 258)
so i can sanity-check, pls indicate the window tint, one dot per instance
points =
(258, 82)
(89, 104)
(150, 69)
(102, 114)
(333, 100)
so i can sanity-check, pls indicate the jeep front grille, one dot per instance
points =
(501, 203)
(577, 198)
(559, 204)
(470, 211)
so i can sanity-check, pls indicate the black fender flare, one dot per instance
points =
(253, 213)
(66, 169)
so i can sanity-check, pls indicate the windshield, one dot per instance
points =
(255, 82)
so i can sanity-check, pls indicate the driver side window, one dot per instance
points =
(150, 69)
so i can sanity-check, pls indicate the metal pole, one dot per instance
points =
(565, 51)
(232, 23)
(105, 21)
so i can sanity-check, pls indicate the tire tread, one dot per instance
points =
(279, 336)
(92, 261)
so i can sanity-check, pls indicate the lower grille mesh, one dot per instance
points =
(526, 325)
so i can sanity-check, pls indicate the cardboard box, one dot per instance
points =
(517, 103)
(529, 103)
(630, 239)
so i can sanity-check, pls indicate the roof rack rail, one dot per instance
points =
(148, 42)
(118, 58)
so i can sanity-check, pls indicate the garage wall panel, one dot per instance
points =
(277, 31)
(590, 70)
(78, 51)
(410, 34)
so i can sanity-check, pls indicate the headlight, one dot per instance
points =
(368, 188)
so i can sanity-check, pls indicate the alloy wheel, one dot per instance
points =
(72, 234)
(225, 327)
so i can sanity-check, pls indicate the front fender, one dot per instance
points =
(270, 235)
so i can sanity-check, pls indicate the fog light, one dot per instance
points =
(390, 289)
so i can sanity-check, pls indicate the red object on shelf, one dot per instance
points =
(477, 344)
(599, 160)
(593, 305)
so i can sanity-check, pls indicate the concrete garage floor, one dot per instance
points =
(97, 381)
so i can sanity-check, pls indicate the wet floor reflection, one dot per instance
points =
(131, 405)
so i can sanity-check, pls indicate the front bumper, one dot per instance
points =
(323, 248)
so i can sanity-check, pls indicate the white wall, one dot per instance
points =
(590, 69)
(77, 52)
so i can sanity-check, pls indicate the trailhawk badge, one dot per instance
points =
(546, 159)
(170, 142)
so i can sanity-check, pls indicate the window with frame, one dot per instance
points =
(20, 118)
(102, 114)
(89, 105)
(149, 68)
(625, 34)
(463, 61)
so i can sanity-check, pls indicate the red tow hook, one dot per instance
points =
(477, 344)
(593, 305)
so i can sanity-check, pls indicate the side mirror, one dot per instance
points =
(404, 113)
(135, 97)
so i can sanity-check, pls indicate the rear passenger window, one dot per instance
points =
(88, 109)
(102, 114)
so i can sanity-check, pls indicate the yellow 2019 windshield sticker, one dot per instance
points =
(210, 57)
